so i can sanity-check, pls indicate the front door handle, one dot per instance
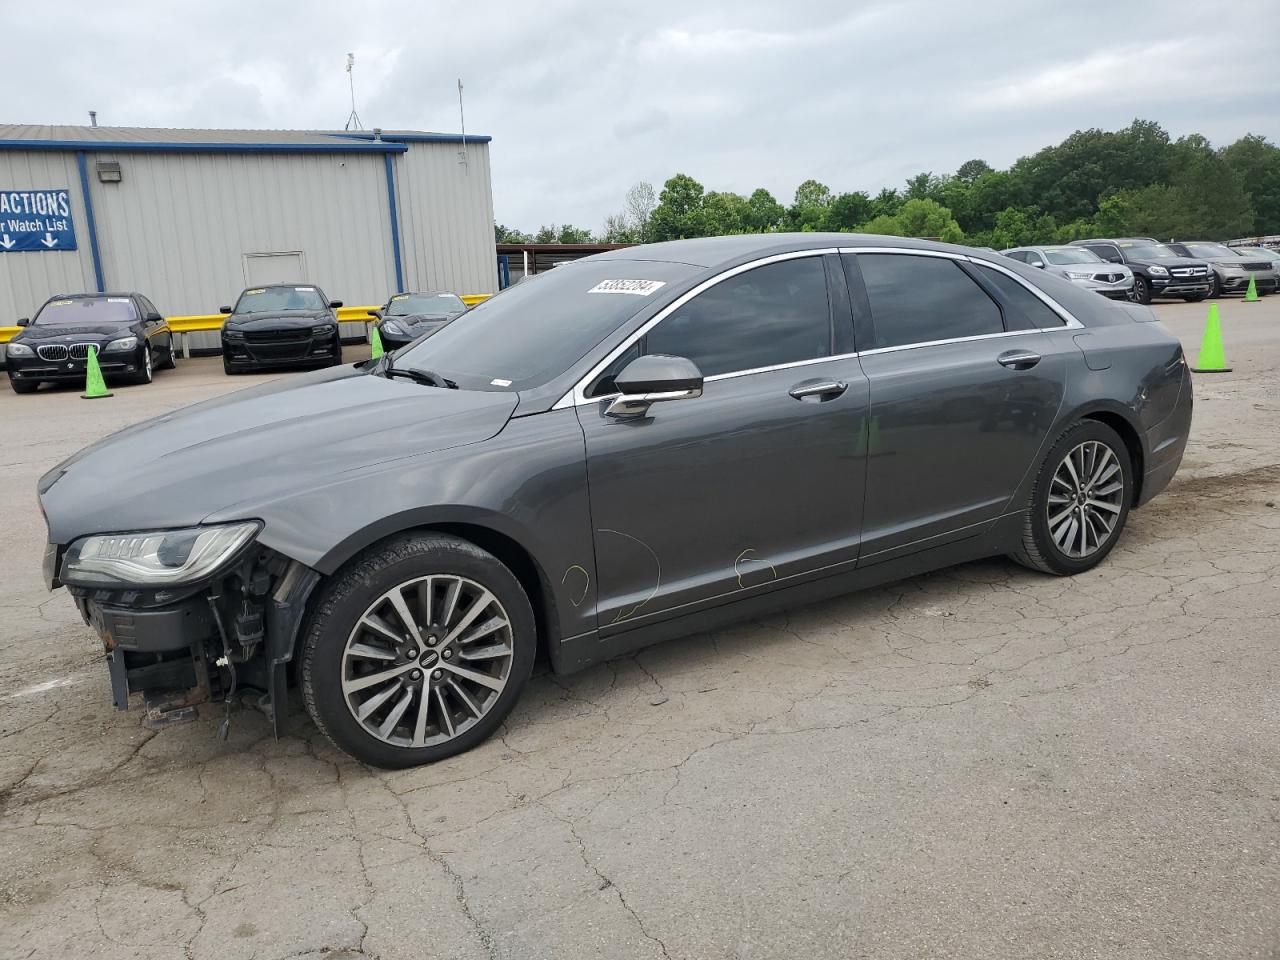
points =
(819, 389)
(1018, 359)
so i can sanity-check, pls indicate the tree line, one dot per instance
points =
(1130, 182)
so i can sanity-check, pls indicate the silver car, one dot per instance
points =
(1232, 267)
(1080, 266)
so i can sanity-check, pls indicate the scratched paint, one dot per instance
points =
(745, 557)
(657, 583)
(586, 583)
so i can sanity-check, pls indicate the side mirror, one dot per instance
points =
(653, 379)
(1038, 263)
(24, 321)
(334, 304)
(153, 317)
(224, 309)
(376, 313)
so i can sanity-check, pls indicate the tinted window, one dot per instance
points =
(773, 314)
(1019, 255)
(920, 299)
(433, 304)
(1033, 257)
(1064, 255)
(538, 328)
(82, 310)
(271, 299)
(1031, 310)
(1106, 252)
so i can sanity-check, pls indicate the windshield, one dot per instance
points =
(434, 304)
(1258, 252)
(1062, 255)
(271, 299)
(1150, 251)
(86, 310)
(1210, 251)
(535, 330)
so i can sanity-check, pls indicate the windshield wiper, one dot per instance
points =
(427, 378)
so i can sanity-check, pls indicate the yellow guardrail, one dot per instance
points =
(213, 321)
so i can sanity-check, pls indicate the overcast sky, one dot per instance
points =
(583, 99)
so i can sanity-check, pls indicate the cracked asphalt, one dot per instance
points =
(981, 762)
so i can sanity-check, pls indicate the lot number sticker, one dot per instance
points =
(639, 288)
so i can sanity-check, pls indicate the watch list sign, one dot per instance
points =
(36, 220)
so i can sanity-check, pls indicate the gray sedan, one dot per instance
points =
(632, 447)
(1080, 266)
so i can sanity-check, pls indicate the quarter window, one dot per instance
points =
(773, 314)
(1031, 310)
(921, 299)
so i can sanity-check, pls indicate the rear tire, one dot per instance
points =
(1195, 297)
(1053, 540)
(453, 669)
(170, 357)
(1141, 291)
(24, 386)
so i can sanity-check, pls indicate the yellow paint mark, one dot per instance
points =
(628, 614)
(585, 586)
(743, 558)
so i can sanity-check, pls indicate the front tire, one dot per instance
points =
(1141, 291)
(147, 374)
(416, 650)
(24, 386)
(1080, 501)
(1195, 297)
(170, 357)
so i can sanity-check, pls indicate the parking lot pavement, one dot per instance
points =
(982, 762)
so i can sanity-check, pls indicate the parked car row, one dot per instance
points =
(1142, 268)
(272, 326)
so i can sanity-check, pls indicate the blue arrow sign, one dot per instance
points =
(36, 220)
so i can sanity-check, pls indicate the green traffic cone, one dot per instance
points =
(1211, 359)
(375, 340)
(1251, 295)
(95, 388)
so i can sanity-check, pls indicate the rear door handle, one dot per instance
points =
(1018, 359)
(819, 389)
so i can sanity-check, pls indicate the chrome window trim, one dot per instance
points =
(576, 397)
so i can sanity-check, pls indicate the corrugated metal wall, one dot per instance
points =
(28, 279)
(446, 218)
(178, 225)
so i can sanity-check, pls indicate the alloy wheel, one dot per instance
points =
(427, 660)
(1086, 498)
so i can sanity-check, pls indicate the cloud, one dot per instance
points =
(584, 99)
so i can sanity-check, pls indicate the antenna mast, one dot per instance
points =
(462, 122)
(353, 121)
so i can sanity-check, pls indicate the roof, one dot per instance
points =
(17, 136)
(714, 251)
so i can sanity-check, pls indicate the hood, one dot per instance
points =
(1168, 262)
(277, 320)
(256, 445)
(69, 334)
(413, 319)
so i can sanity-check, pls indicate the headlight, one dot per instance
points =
(1157, 271)
(390, 326)
(1079, 276)
(323, 330)
(124, 343)
(231, 333)
(20, 350)
(153, 558)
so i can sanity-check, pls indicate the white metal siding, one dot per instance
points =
(446, 218)
(29, 279)
(178, 225)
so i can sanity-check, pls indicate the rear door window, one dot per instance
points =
(1025, 309)
(917, 299)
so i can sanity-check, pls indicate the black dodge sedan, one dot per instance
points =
(282, 325)
(639, 445)
(131, 338)
(408, 316)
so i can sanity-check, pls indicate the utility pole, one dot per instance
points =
(462, 122)
(353, 121)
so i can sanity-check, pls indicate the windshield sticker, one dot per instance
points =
(304, 289)
(60, 303)
(255, 292)
(401, 296)
(639, 288)
(117, 299)
(499, 383)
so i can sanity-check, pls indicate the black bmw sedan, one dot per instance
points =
(408, 316)
(282, 325)
(131, 338)
(635, 446)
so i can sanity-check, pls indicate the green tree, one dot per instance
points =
(724, 213)
(572, 234)
(764, 213)
(505, 234)
(886, 203)
(928, 218)
(847, 211)
(1257, 162)
(809, 211)
(971, 170)
(679, 210)
(546, 234)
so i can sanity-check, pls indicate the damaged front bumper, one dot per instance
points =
(178, 647)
